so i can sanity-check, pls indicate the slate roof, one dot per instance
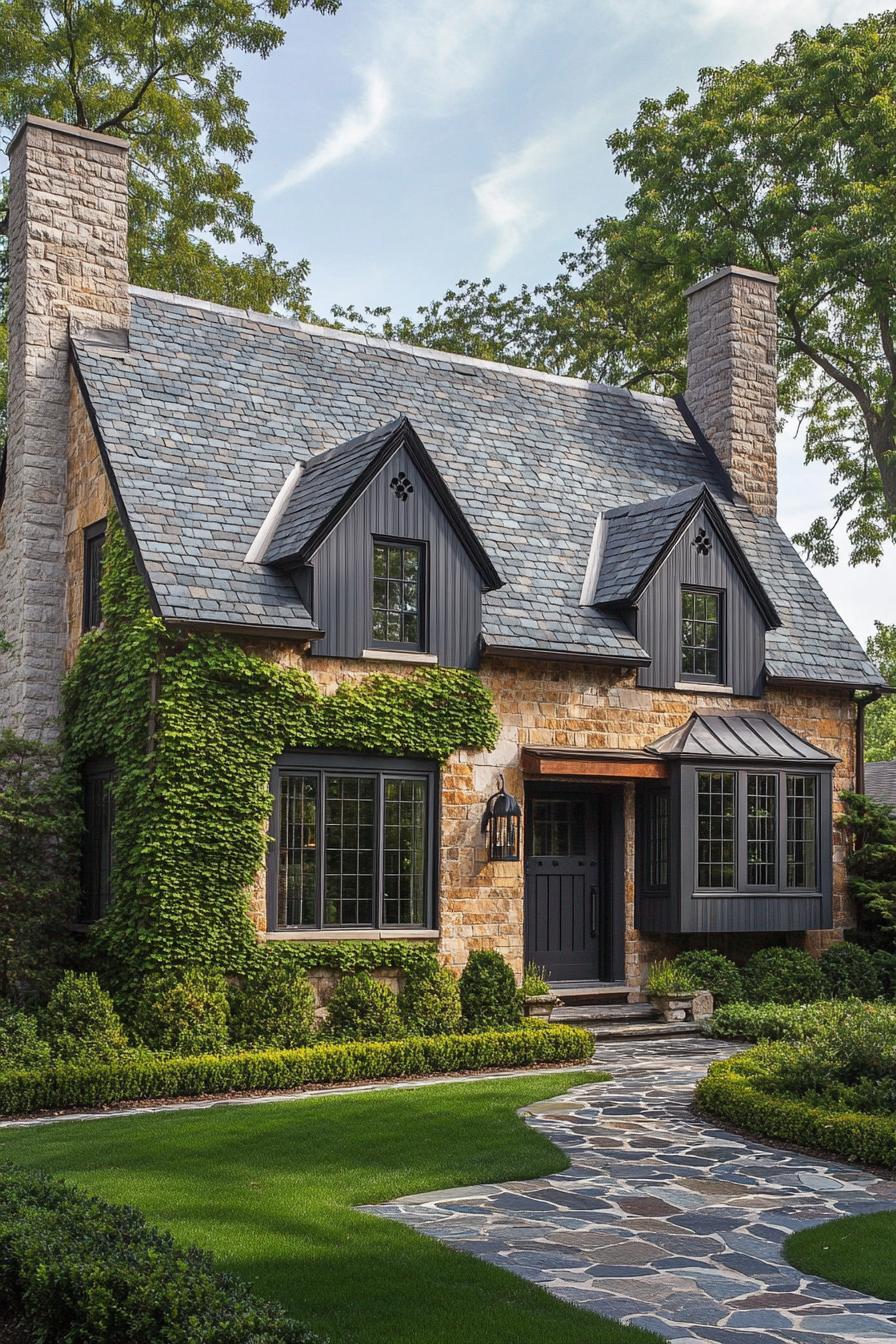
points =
(880, 782)
(205, 417)
(324, 482)
(634, 537)
(755, 737)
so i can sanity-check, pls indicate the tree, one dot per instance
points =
(160, 72)
(38, 839)
(880, 718)
(872, 868)
(785, 165)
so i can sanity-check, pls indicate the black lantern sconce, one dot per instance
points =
(501, 823)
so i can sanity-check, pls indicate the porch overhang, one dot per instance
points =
(579, 763)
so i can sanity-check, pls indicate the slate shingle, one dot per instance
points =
(532, 460)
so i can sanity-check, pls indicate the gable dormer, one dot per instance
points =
(674, 571)
(382, 554)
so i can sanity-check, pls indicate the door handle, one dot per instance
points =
(594, 912)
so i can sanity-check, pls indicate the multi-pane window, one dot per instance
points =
(94, 537)
(354, 846)
(96, 848)
(716, 820)
(701, 628)
(656, 838)
(557, 827)
(297, 879)
(802, 831)
(762, 830)
(397, 584)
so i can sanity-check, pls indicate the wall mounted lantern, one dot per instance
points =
(501, 823)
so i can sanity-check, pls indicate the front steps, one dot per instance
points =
(613, 1013)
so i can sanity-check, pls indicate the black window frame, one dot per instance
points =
(407, 646)
(702, 678)
(823, 823)
(93, 902)
(91, 601)
(322, 765)
(653, 839)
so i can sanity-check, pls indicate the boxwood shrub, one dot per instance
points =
(185, 1014)
(80, 1021)
(363, 1009)
(712, 971)
(147, 1077)
(21, 1046)
(885, 965)
(488, 992)
(738, 1090)
(792, 1022)
(75, 1268)
(430, 1004)
(272, 1007)
(849, 972)
(782, 975)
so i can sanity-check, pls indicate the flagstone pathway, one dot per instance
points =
(663, 1220)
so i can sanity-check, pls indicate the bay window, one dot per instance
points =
(354, 843)
(746, 840)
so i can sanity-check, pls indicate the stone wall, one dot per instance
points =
(577, 705)
(67, 260)
(88, 499)
(732, 389)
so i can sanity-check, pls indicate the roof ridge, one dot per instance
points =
(400, 347)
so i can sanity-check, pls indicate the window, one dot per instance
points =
(557, 827)
(397, 617)
(716, 868)
(802, 867)
(701, 625)
(762, 830)
(656, 839)
(355, 843)
(94, 536)
(96, 848)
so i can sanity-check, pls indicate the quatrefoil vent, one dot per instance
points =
(401, 486)
(702, 543)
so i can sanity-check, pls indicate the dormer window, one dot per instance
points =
(397, 613)
(701, 635)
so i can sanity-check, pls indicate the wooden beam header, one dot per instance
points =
(555, 764)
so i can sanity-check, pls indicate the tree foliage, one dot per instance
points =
(880, 718)
(785, 165)
(162, 73)
(872, 868)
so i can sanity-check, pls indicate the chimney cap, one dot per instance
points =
(66, 128)
(731, 270)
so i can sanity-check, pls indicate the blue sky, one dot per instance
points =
(404, 144)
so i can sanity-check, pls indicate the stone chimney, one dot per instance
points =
(67, 264)
(732, 393)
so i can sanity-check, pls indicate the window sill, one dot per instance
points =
(762, 894)
(400, 656)
(347, 935)
(702, 688)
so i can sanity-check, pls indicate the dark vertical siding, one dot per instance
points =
(659, 615)
(342, 572)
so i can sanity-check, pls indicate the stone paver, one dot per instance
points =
(665, 1221)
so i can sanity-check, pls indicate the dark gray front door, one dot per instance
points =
(562, 913)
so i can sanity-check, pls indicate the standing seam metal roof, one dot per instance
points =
(759, 737)
(206, 415)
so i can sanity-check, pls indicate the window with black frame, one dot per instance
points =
(96, 846)
(742, 840)
(701, 635)
(355, 847)
(397, 608)
(654, 837)
(92, 613)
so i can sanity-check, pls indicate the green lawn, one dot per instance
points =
(270, 1190)
(857, 1252)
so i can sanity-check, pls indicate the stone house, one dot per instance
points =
(676, 695)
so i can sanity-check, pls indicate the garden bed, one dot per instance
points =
(148, 1079)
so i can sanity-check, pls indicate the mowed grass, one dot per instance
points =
(270, 1190)
(856, 1252)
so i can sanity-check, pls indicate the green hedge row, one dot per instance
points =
(794, 1021)
(75, 1268)
(730, 1092)
(149, 1077)
(413, 956)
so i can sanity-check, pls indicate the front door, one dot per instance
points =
(563, 905)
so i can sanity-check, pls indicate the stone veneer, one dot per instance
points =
(542, 704)
(732, 384)
(67, 262)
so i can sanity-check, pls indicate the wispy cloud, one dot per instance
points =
(776, 17)
(358, 126)
(424, 59)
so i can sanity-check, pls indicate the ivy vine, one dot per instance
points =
(194, 726)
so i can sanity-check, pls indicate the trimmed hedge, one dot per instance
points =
(146, 1077)
(730, 1091)
(73, 1267)
(791, 1022)
(714, 972)
(782, 975)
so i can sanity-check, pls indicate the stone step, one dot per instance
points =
(577, 991)
(634, 1031)
(604, 1012)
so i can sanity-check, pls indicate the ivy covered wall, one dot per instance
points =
(194, 725)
